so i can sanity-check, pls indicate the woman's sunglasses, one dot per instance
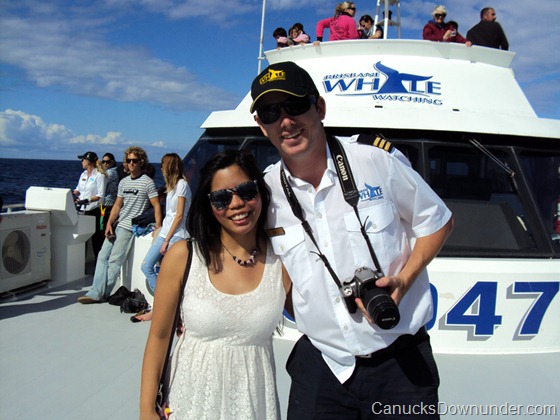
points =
(247, 191)
(269, 114)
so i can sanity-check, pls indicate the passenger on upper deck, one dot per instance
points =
(439, 31)
(281, 38)
(298, 35)
(342, 25)
(368, 31)
(488, 32)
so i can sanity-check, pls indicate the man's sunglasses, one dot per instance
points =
(247, 191)
(269, 114)
(438, 15)
(106, 161)
(132, 160)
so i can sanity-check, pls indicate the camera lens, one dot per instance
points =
(381, 307)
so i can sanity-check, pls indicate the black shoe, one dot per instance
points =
(143, 312)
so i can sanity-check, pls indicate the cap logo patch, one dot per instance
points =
(273, 75)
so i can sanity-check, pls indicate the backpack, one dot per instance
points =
(134, 303)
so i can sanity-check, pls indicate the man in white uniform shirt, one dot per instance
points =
(345, 366)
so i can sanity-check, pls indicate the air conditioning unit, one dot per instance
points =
(25, 246)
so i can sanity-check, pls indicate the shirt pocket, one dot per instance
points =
(382, 227)
(292, 250)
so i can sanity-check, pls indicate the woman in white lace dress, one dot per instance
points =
(223, 365)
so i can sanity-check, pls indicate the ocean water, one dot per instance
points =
(17, 175)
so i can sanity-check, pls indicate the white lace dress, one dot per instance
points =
(223, 365)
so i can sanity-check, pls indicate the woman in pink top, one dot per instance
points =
(342, 25)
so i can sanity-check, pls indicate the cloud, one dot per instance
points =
(222, 12)
(69, 52)
(20, 131)
(111, 138)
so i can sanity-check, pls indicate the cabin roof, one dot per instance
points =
(410, 85)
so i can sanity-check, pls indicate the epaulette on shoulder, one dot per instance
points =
(377, 141)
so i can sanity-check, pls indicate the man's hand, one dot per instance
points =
(394, 285)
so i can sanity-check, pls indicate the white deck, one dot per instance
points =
(63, 360)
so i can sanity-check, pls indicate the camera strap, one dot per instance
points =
(351, 195)
(298, 212)
(349, 190)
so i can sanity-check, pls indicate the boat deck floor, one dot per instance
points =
(63, 360)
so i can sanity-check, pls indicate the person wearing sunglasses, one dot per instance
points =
(136, 193)
(344, 362)
(89, 193)
(438, 31)
(110, 166)
(341, 26)
(233, 300)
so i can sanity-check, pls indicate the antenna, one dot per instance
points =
(387, 14)
(261, 57)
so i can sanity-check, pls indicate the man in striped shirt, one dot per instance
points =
(136, 192)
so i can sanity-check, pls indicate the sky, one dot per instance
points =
(104, 75)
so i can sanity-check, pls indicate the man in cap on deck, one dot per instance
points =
(345, 366)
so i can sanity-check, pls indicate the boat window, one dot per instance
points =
(202, 151)
(490, 219)
(542, 171)
(411, 153)
(265, 153)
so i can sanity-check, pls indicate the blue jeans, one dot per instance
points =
(110, 259)
(152, 257)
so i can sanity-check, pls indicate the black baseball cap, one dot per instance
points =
(91, 156)
(286, 77)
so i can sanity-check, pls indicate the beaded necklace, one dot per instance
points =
(242, 263)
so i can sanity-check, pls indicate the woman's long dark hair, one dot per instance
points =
(201, 223)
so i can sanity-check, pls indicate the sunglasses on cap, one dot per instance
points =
(269, 114)
(247, 191)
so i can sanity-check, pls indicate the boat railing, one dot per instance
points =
(9, 208)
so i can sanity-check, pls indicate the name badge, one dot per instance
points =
(275, 232)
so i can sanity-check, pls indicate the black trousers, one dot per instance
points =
(399, 382)
(99, 235)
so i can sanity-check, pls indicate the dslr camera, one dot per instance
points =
(377, 301)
